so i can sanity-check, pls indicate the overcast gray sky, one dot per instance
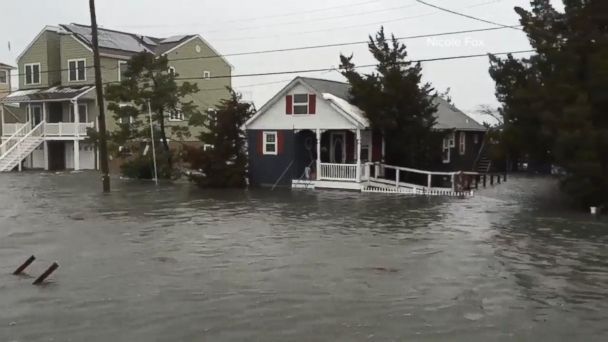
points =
(239, 26)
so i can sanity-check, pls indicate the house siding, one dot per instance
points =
(463, 162)
(72, 49)
(213, 90)
(265, 170)
(37, 53)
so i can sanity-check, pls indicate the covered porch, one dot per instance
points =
(59, 117)
(337, 155)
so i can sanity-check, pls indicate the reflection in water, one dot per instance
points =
(180, 264)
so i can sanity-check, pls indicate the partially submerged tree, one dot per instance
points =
(396, 101)
(148, 82)
(223, 159)
(554, 103)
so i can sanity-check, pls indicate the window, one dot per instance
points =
(452, 140)
(206, 75)
(176, 116)
(82, 113)
(171, 71)
(207, 147)
(77, 70)
(300, 104)
(462, 146)
(32, 73)
(122, 120)
(446, 152)
(270, 143)
(476, 138)
(3, 77)
(122, 69)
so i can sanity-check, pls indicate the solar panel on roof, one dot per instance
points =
(110, 39)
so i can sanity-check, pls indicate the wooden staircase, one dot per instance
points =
(484, 165)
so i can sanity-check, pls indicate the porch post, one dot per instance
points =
(2, 116)
(383, 149)
(358, 155)
(44, 104)
(318, 154)
(45, 152)
(77, 140)
(29, 114)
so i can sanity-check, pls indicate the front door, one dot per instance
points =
(36, 115)
(338, 147)
(56, 155)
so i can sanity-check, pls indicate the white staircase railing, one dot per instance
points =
(14, 138)
(24, 147)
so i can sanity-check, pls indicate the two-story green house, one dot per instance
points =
(57, 99)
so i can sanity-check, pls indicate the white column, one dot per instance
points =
(45, 152)
(77, 140)
(383, 160)
(44, 105)
(358, 155)
(2, 117)
(318, 154)
(29, 114)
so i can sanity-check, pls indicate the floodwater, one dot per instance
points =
(180, 264)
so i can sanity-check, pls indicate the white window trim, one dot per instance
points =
(206, 75)
(119, 71)
(276, 143)
(462, 143)
(32, 111)
(25, 73)
(181, 117)
(452, 140)
(446, 159)
(6, 74)
(293, 104)
(76, 60)
(207, 147)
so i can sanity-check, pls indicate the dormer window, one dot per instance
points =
(77, 70)
(3, 77)
(32, 73)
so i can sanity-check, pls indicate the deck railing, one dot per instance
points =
(16, 133)
(338, 172)
(55, 129)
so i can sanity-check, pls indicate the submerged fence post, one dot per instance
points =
(25, 265)
(46, 274)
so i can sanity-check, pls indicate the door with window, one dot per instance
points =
(35, 115)
(338, 147)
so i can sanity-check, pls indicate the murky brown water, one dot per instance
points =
(180, 264)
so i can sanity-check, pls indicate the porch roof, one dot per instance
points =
(53, 94)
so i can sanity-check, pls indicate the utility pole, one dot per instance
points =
(103, 143)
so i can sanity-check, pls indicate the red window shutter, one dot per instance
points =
(312, 104)
(280, 142)
(260, 143)
(289, 104)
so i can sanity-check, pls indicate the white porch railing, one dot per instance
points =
(339, 172)
(67, 129)
(15, 133)
(57, 129)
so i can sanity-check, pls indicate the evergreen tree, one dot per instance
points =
(225, 163)
(148, 80)
(396, 102)
(557, 100)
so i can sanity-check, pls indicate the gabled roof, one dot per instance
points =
(113, 40)
(6, 67)
(450, 117)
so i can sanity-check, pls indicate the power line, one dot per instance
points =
(310, 47)
(316, 20)
(302, 71)
(467, 16)
(383, 22)
(288, 14)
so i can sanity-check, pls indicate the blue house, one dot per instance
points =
(309, 135)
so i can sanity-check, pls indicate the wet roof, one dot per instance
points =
(46, 94)
(448, 116)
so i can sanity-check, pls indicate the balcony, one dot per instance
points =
(53, 130)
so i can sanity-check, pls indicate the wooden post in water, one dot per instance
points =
(491, 179)
(25, 265)
(46, 274)
(506, 176)
(485, 180)
(477, 182)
